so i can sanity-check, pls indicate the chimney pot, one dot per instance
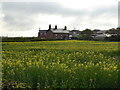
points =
(49, 26)
(55, 26)
(65, 28)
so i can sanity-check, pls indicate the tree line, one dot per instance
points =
(84, 35)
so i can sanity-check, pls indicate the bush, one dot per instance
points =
(85, 37)
(23, 39)
(113, 38)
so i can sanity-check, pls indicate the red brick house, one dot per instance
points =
(54, 33)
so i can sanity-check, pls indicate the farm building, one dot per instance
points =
(100, 34)
(54, 33)
(74, 33)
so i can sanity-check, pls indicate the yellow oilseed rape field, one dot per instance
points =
(60, 64)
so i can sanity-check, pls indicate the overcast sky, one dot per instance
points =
(25, 18)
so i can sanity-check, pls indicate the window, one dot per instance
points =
(44, 33)
(56, 35)
(74, 32)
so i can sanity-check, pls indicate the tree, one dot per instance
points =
(112, 31)
(87, 32)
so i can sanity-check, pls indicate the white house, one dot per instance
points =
(100, 35)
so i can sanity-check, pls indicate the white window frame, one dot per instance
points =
(56, 35)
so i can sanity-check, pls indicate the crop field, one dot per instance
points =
(60, 64)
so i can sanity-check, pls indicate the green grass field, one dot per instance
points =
(60, 64)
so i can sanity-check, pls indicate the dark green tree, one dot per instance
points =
(112, 31)
(87, 32)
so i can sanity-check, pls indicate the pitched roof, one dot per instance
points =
(43, 30)
(59, 30)
(75, 31)
(102, 31)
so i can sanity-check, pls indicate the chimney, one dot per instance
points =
(55, 26)
(39, 29)
(65, 28)
(49, 26)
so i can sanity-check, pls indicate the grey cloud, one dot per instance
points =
(109, 10)
(119, 13)
(20, 16)
(42, 7)
(53, 8)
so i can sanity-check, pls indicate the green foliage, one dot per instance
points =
(60, 64)
(113, 38)
(20, 39)
(87, 32)
(84, 37)
(24, 39)
(112, 31)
